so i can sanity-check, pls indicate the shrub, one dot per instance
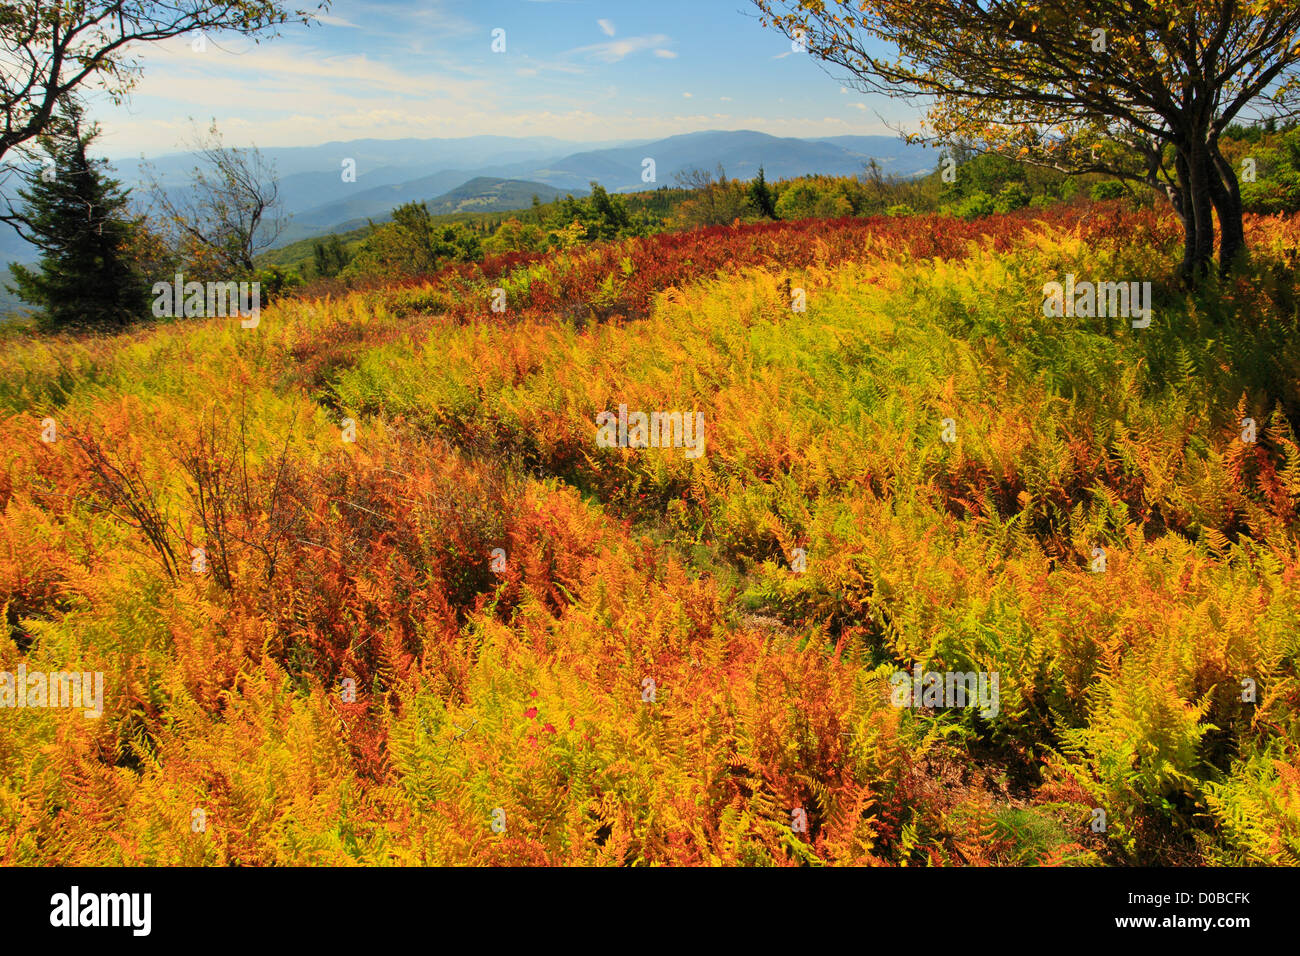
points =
(975, 206)
(1108, 189)
(276, 281)
(1013, 196)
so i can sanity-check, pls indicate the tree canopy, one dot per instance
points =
(1139, 89)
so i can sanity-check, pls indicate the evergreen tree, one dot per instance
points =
(761, 196)
(77, 216)
(609, 212)
(330, 257)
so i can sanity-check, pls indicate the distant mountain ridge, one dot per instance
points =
(488, 194)
(389, 173)
(621, 169)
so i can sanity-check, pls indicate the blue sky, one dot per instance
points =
(589, 70)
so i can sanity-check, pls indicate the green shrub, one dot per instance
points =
(276, 280)
(1110, 189)
(1012, 197)
(975, 206)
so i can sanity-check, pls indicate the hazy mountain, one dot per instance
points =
(895, 155)
(362, 204)
(13, 249)
(481, 194)
(387, 173)
(619, 169)
(487, 194)
(423, 156)
(392, 172)
(740, 152)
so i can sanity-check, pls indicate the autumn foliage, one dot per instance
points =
(645, 678)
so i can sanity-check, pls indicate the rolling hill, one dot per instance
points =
(487, 194)
(372, 582)
(620, 169)
(468, 172)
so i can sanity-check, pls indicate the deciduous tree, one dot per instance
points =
(1139, 89)
(50, 50)
(230, 210)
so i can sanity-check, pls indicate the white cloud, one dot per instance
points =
(408, 23)
(333, 21)
(606, 27)
(615, 50)
(302, 90)
(281, 92)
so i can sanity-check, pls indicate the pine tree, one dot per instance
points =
(77, 216)
(761, 197)
(610, 212)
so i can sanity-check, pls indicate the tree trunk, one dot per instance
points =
(1199, 255)
(1182, 205)
(1226, 195)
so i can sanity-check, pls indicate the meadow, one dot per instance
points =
(365, 589)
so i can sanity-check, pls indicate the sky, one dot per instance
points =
(585, 70)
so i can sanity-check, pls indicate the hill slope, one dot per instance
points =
(434, 619)
(487, 194)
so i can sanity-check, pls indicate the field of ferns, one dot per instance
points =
(365, 589)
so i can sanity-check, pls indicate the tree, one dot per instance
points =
(874, 183)
(412, 245)
(713, 202)
(52, 50)
(330, 257)
(761, 197)
(87, 275)
(609, 212)
(230, 211)
(515, 236)
(1276, 158)
(1138, 89)
(403, 247)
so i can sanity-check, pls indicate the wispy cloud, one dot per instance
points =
(395, 68)
(414, 24)
(615, 50)
(330, 20)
